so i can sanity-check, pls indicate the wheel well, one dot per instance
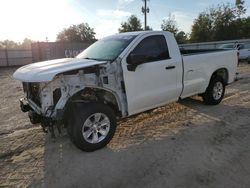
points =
(223, 73)
(96, 95)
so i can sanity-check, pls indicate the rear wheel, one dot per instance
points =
(215, 91)
(92, 126)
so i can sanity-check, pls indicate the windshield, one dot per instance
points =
(108, 48)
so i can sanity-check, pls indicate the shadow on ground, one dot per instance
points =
(193, 146)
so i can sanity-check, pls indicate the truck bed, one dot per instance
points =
(185, 52)
(199, 65)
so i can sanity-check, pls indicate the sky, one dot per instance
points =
(41, 19)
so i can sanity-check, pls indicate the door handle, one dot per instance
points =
(170, 67)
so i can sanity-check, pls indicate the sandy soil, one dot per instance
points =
(185, 144)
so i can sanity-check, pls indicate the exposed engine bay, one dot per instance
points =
(47, 102)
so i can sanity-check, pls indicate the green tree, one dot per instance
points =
(181, 37)
(9, 44)
(26, 44)
(170, 25)
(148, 28)
(223, 22)
(240, 8)
(202, 29)
(245, 28)
(77, 33)
(132, 24)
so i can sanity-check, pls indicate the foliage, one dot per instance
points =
(77, 33)
(170, 25)
(202, 28)
(181, 37)
(8, 44)
(148, 28)
(239, 8)
(132, 24)
(26, 44)
(245, 28)
(223, 22)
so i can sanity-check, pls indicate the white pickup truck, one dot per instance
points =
(117, 77)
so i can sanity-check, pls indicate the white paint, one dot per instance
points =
(149, 86)
(45, 71)
(198, 69)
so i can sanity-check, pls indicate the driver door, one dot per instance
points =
(153, 82)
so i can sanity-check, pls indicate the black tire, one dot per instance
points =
(210, 97)
(84, 112)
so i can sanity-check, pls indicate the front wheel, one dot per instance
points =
(215, 91)
(92, 126)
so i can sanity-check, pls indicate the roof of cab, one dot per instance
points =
(140, 32)
(136, 33)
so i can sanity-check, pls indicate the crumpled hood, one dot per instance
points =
(45, 71)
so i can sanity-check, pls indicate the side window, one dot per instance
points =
(153, 48)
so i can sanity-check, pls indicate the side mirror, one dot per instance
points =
(133, 60)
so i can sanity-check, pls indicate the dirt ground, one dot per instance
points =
(184, 144)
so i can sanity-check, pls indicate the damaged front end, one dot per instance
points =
(46, 102)
(33, 103)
